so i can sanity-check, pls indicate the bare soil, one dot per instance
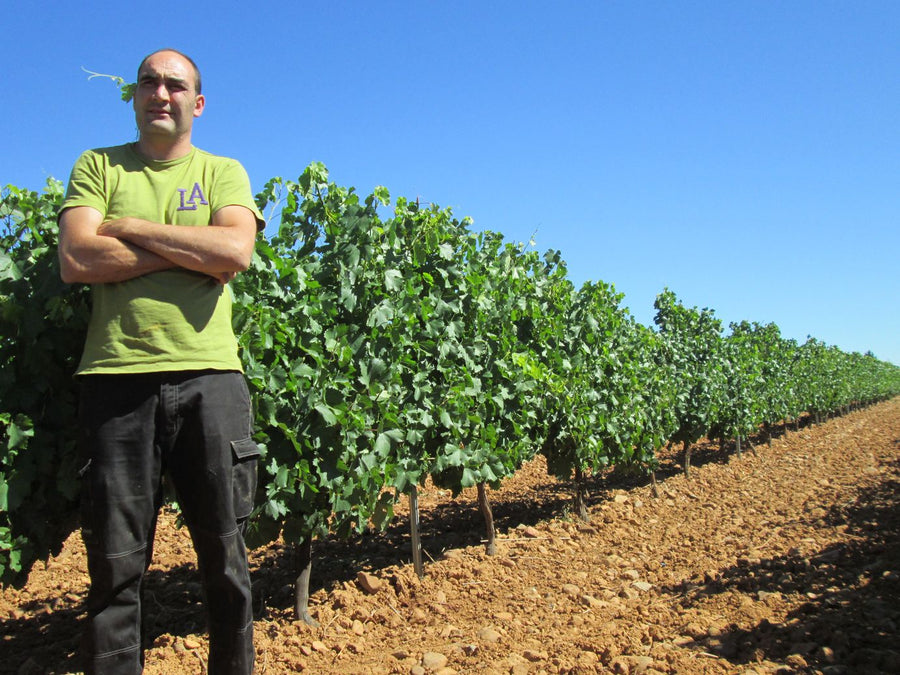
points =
(784, 561)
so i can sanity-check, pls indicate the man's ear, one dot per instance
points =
(199, 105)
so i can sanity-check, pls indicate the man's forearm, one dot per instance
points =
(109, 260)
(87, 258)
(211, 250)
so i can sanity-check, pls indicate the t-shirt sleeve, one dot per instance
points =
(87, 184)
(232, 188)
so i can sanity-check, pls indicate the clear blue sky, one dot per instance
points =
(744, 154)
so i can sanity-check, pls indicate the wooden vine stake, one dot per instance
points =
(418, 565)
(301, 584)
(490, 545)
(687, 459)
(581, 510)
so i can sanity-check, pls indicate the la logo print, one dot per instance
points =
(196, 197)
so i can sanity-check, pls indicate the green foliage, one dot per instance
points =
(592, 417)
(693, 342)
(381, 350)
(42, 326)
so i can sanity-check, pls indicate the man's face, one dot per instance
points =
(165, 101)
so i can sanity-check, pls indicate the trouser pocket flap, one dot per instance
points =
(245, 449)
(246, 452)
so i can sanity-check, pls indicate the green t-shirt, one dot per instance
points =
(169, 320)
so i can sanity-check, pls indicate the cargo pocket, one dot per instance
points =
(245, 453)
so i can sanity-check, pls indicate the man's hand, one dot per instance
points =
(224, 277)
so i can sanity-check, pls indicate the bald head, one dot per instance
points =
(197, 85)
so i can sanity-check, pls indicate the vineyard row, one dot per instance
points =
(382, 350)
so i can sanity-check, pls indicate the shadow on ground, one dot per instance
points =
(850, 623)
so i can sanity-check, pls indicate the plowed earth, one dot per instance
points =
(784, 561)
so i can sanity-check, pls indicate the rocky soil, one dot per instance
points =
(784, 561)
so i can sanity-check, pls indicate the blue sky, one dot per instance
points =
(745, 155)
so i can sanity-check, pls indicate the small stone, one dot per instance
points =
(531, 532)
(535, 656)
(796, 661)
(369, 582)
(433, 660)
(319, 646)
(642, 586)
(358, 628)
(592, 602)
(571, 589)
(417, 670)
(825, 654)
(488, 635)
(191, 643)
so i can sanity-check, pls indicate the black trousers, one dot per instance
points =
(196, 426)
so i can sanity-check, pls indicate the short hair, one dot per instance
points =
(197, 87)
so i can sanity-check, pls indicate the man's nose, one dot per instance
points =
(161, 92)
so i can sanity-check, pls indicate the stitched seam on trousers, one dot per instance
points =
(123, 650)
(112, 556)
(228, 535)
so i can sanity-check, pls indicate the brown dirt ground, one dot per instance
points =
(783, 562)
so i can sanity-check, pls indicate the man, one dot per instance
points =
(158, 228)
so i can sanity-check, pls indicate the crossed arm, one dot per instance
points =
(92, 251)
